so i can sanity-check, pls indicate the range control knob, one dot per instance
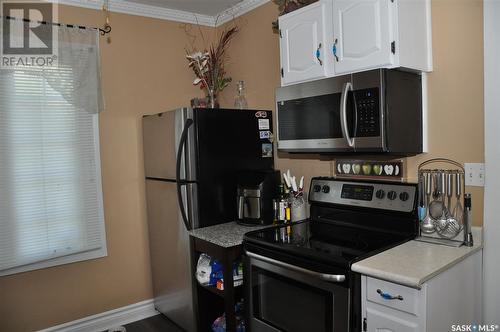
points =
(392, 195)
(317, 188)
(380, 194)
(326, 189)
(404, 196)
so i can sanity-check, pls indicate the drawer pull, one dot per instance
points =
(387, 296)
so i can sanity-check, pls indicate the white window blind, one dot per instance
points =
(50, 189)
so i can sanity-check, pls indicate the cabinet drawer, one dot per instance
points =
(388, 321)
(405, 299)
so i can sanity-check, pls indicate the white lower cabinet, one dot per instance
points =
(383, 321)
(453, 297)
(390, 307)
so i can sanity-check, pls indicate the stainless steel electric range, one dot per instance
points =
(298, 278)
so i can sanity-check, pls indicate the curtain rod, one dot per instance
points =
(103, 31)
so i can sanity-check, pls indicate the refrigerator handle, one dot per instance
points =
(182, 182)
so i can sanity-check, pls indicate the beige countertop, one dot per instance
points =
(414, 262)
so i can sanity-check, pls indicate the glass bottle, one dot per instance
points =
(276, 219)
(282, 203)
(275, 212)
(240, 102)
(288, 219)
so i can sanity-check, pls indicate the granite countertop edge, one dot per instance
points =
(225, 235)
(365, 266)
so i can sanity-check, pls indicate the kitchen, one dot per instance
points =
(144, 72)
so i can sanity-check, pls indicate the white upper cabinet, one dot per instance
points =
(303, 43)
(363, 33)
(338, 37)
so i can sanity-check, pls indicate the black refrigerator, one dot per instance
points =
(192, 158)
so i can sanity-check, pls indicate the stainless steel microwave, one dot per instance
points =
(368, 112)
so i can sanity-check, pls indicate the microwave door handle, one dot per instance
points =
(323, 276)
(343, 114)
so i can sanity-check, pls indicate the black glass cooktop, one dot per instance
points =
(324, 241)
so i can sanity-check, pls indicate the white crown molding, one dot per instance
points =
(109, 319)
(127, 7)
(238, 10)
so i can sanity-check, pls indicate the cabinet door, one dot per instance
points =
(363, 31)
(302, 44)
(377, 321)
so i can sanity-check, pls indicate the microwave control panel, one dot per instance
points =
(368, 112)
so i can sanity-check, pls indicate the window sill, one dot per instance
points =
(73, 258)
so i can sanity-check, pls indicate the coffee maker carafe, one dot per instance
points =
(256, 191)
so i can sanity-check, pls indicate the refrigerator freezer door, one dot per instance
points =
(161, 135)
(229, 141)
(170, 254)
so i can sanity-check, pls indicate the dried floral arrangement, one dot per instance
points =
(208, 65)
(287, 6)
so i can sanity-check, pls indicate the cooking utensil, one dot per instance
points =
(422, 208)
(287, 180)
(442, 221)
(436, 207)
(451, 220)
(449, 227)
(455, 225)
(458, 210)
(469, 241)
(442, 208)
(427, 225)
(294, 184)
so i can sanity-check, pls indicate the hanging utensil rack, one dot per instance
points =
(449, 229)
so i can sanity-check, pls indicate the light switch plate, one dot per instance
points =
(474, 174)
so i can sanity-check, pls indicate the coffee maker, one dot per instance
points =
(256, 191)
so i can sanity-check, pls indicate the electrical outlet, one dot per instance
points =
(474, 174)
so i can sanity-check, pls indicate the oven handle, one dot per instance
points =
(343, 115)
(322, 276)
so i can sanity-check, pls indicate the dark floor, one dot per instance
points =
(158, 323)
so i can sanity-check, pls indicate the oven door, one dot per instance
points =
(285, 297)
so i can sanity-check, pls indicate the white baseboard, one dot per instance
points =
(108, 319)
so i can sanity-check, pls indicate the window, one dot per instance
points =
(51, 209)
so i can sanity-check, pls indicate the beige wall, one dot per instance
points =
(143, 71)
(455, 86)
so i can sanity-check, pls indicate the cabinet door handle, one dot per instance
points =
(388, 296)
(334, 50)
(318, 54)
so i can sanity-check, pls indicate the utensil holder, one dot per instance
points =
(299, 213)
(456, 171)
(299, 208)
